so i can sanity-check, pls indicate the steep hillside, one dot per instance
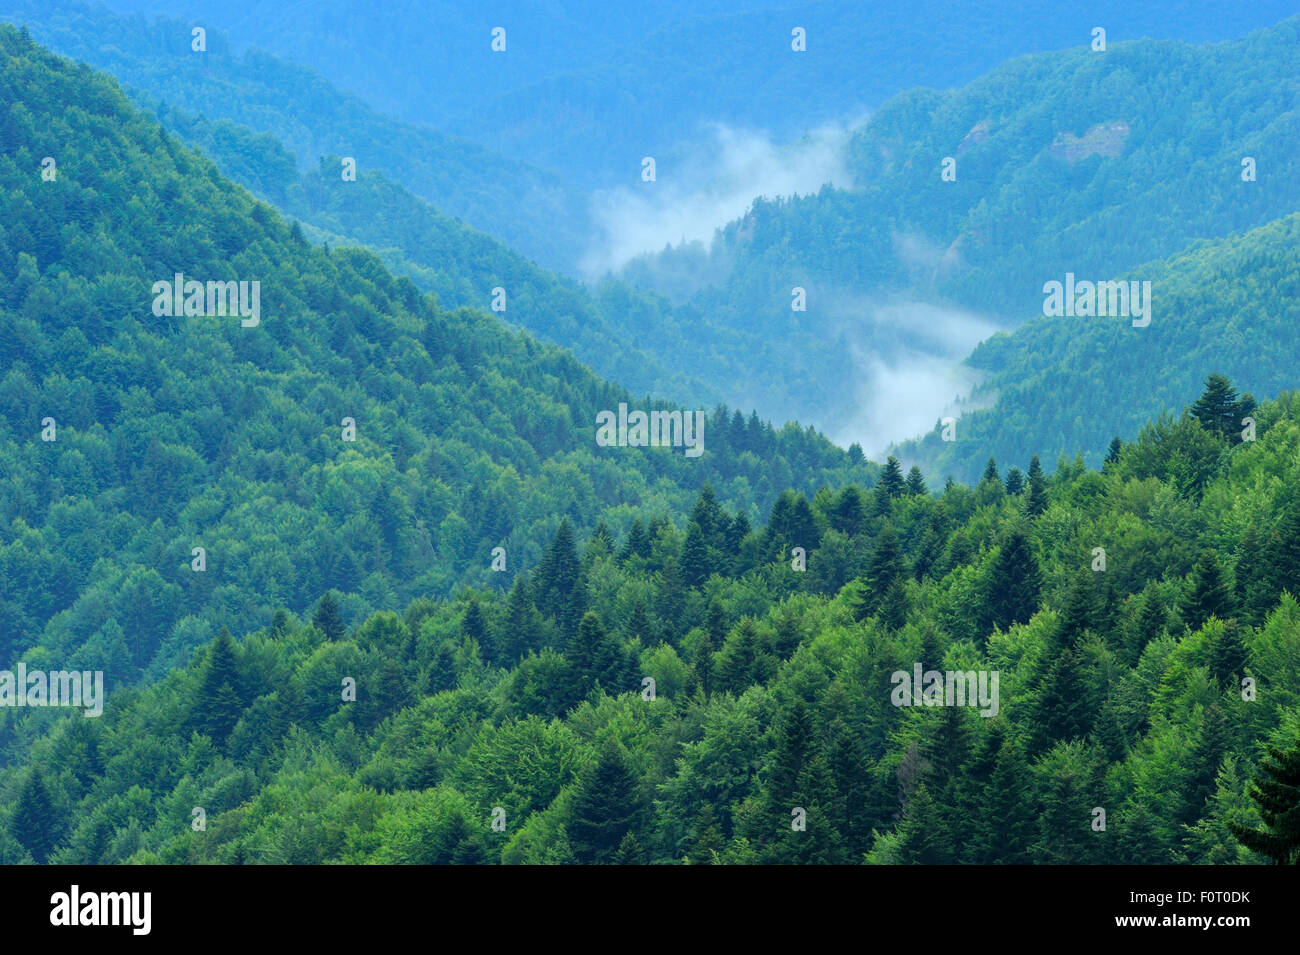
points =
(690, 698)
(1085, 162)
(131, 434)
(588, 89)
(530, 209)
(463, 266)
(1061, 385)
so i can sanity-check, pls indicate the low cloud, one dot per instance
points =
(713, 185)
(908, 357)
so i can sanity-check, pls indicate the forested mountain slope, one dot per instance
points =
(1142, 683)
(1085, 162)
(464, 266)
(588, 89)
(438, 251)
(532, 210)
(1058, 385)
(130, 436)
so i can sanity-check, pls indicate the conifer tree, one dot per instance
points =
(593, 657)
(885, 566)
(1210, 594)
(1277, 794)
(1006, 817)
(695, 557)
(1014, 582)
(327, 618)
(894, 606)
(1229, 654)
(1217, 409)
(706, 838)
(637, 543)
(1036, 503)
(916, 482)
(638, 623)
(991, 472)
(474, 627)
(737, 530)
(607, 805)
(1152, 620)
(849, 511)
(891, 481)
(715, 622)
(35, 823)
(559, 591)
(709, 516)
(1283, 552)
(1015, 481)
(521, 629)
(219, 701)
(1206, 756)
(794, 747)
(1064, 711)
(923, 836)
(630, 851)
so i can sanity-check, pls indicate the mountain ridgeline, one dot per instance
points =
(373, 574)
(1129, 637)
(129, 438)
(1083, 162)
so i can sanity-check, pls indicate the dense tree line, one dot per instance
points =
(172, 433)
(1160, 688)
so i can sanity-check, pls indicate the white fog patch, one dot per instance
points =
(909, 373)
(715, 184)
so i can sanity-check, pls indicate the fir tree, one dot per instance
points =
(1218, 409)
(991, 472)
(1210, 594)
(521, 629)
(1015, 481)
(1036, 503)
(1014, 582)
(327, 618)
(1277, 794)
(637, 543)
(737, 530)
(219, 701)
(923, 836)
(593, 657)
(916, 482)
(885, 566)
(1064, 711)
(1283, 553)
(715, 622)
(630, 851)
(559, 591)
(1007, 814)
(606, 807)
(34, 822)
(474, 627)
(1228, 655)
(1206, 757)
(706, 839)
(848, 512)
(891, 481)
(695, 557)
(709, 516)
